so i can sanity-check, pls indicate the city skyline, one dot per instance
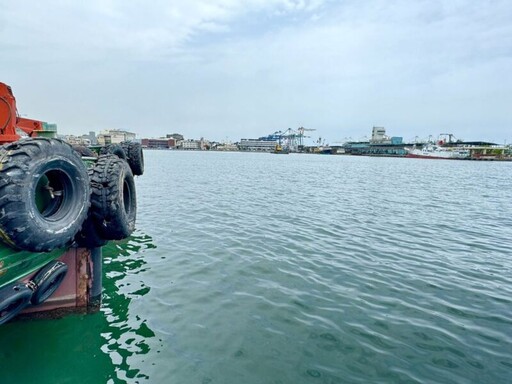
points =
(224, 69)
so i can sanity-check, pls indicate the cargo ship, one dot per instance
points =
(59, 205)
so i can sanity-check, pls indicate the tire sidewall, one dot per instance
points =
(114, 149)
(89, 236)
(121, 220)
(113, 198)
(23, 226)
(79, 197)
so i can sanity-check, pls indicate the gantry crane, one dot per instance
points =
(301, 136)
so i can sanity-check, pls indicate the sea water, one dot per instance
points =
(261, 268)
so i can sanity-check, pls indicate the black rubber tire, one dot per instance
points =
(135, 157)
(13, 298)
(113, 149)
(113, 198)
(88, 236)
(85, 151)
(44, 194)
(47, 280)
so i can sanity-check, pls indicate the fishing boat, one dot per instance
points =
(436, 151)
(281, 150)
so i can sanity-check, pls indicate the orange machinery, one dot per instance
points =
(12, 126)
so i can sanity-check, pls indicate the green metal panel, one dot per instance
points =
(14, 264)
(50, 127)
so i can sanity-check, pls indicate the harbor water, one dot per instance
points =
(259, 268)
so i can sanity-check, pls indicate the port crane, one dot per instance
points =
(301, 136)
(290, 139)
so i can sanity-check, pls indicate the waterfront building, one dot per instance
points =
(87, 139)
(161, 143)
(374, 149)
(76, 140)
(175, 136)
(226, 147)
(379, 145)
(190, 145)
(114, 136)
(257, 145)
(90, 137)
(378, 135)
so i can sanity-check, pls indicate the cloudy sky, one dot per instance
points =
(226, 69)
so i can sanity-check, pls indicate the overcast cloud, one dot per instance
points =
(225, 69)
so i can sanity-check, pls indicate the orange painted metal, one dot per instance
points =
(9, 119)
(29, 126)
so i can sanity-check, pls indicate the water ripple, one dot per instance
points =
(335, 269)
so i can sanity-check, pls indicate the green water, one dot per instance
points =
(256, 268)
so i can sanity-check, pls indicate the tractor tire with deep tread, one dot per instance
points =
(135, 157)
(88, 236)
(113, 149)
(113, 198)
(85, 151)
(44, 194)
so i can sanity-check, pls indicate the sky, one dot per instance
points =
(226, 70)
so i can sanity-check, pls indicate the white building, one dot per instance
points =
(257, 145)
(76, 140)
(115, 136)
(191, 144)
(379, 134)
(226, 147)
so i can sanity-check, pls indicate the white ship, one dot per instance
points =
(433, 151)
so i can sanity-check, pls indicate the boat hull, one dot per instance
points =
(438, 152)
(79, 291)
(416, 156)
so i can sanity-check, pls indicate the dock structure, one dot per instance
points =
(257, 145)
(482, 150)
(382, 145)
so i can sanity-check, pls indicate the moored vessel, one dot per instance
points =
(434, 151)
(281, 150)
(58, 206)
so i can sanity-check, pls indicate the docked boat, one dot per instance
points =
(435, 151)
(59, 205)
(281, 150)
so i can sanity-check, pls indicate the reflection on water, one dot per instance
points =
(127, 337)
(109, 346)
